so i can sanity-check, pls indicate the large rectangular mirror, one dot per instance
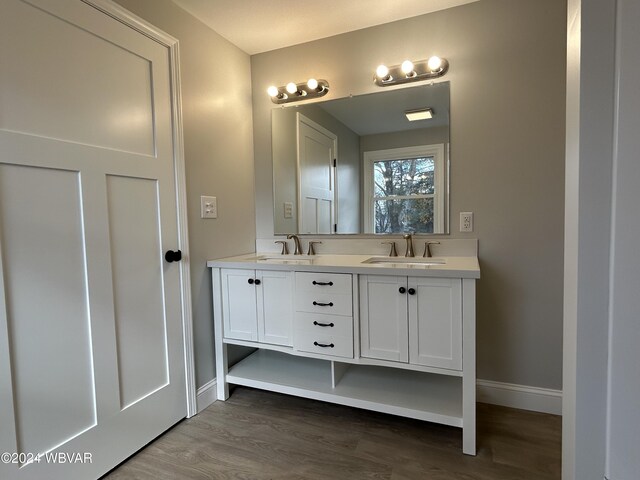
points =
(375, 163)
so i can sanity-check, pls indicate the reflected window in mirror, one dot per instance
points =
(404, 190)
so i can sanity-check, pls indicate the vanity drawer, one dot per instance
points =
(324, 303)
(324, 282)
(324, 324)
(324, 344)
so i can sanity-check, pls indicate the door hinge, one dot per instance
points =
(335, 228)
(335, 163)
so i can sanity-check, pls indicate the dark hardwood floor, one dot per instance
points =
(262, 435)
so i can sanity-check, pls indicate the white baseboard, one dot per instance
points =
(536, 399)
(206, 395)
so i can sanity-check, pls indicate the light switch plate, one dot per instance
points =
(208, 207)
(288, 209)
(466, 221)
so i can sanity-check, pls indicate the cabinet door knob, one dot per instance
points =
(402, 290)
(172, 256)
(324, 345)
(257, 281)
(412, 291)
(251, 280)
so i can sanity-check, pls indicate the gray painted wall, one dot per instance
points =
(507, 155)
(216, 100)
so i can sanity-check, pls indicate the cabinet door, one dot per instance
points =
(435, 322)
(275, 307)
(383, 317)
(239, 304)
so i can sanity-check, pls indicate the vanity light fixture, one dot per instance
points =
(408, 71)
(293, 92)
(419, 114)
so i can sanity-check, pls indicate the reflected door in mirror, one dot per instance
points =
(316, 160)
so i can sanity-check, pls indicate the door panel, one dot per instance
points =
(383, 318)
(316, 153)
(275, 307)
(435, 322)
(91, 346)
(136, 259)
(57, 104)
(44, 271)
(239, 307)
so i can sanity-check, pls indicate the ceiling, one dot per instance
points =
(258, 26)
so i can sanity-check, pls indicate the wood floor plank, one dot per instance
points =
(258, 435)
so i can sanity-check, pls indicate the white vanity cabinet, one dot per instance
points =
(416, 320)
(340, 329)
(257, 305)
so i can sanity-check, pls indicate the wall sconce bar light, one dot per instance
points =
(410, 72)
(294, 92)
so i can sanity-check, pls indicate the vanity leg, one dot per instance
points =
(222, 365)
(469, 366)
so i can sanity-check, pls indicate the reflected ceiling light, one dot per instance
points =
(410, 72)
(294, 92)
(419, 114)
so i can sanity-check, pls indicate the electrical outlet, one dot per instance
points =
(466, 221)
(208, 207)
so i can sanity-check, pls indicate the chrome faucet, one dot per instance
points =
(427, 248)
(409, 252)
(296, 240)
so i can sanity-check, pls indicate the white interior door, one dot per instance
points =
(91, 347)
(317, 148)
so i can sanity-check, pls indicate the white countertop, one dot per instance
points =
(452, 266)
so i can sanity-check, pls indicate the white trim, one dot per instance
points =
(436, 150)
(206, 395)
(136, 23)
(536, 399)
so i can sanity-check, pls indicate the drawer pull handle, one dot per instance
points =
(330, 304)
(323, 324)
(322, 284)
(324, 345)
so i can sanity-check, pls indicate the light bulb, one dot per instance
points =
(292, 87)
(273, 91)
(407, 67)
(312, 83)
(434, 63)
(382, 71)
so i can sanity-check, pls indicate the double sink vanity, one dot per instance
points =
(390, 334)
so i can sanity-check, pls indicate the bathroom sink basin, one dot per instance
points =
(405, 262)
(286, 259)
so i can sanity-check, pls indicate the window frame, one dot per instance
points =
(437, 151)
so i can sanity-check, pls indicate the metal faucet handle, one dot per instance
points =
(392, 252)
(311, 250)
(406, 236)
(285, 249)
(427, 248)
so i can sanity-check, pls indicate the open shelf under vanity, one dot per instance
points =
(420, 395)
